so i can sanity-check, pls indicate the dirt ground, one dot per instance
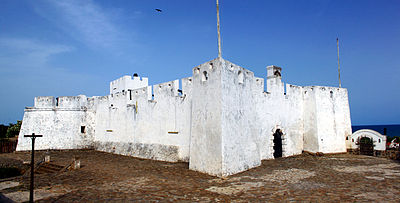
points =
(109, 177)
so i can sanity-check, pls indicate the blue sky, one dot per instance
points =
(66, 48)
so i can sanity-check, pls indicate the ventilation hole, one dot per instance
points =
(240, 77)
(204, 76)
(277, 73)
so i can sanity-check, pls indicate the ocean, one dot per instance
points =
(391, 130)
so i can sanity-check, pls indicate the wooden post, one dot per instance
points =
(33, 136)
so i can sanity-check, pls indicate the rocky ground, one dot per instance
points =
(109, 177)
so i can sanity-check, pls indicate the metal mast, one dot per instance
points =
(338, 62)
(219, 33)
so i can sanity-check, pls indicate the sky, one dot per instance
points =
(68, 48)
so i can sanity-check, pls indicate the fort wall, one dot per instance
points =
(206, 129)
(156, 127)
(60, 129)
(240, 150)
(328, 122)
(221, 120)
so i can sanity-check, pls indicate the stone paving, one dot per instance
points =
(108, 177)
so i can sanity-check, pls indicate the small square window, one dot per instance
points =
(83, 129)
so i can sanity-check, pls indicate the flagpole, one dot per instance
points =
(219, 33)
(337, 44)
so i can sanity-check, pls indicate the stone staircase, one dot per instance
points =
(47, 167)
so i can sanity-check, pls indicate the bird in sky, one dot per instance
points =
(159, 10)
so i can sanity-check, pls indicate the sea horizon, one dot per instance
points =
(391, 129)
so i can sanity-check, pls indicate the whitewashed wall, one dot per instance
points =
(206, 141)
(222, 123)
(127, 82)
(277, 110)
(328, 122)
(378, 139)
(60, 125)
(133, 123)
(240, 150)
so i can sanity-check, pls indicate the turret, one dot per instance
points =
(274, 80)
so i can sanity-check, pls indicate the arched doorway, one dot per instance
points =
(366, 146)
(278, 143)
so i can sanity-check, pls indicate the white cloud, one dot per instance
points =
(25, 72)
(84, 20)
(21, 52)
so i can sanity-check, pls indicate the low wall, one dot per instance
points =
(141, 150)
(389, 154)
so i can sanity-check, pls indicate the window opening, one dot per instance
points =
(83, 129)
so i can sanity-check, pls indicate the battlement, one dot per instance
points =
(156, 93)
(63, 102)
(44, 102)
(126, 82)
(324, 91)
(71, 101)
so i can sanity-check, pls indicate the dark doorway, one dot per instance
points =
(366, 146)
(278, 143)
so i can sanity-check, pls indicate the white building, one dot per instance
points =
(221, 120)
(379, 140)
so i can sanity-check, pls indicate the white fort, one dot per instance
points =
(221, 120)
